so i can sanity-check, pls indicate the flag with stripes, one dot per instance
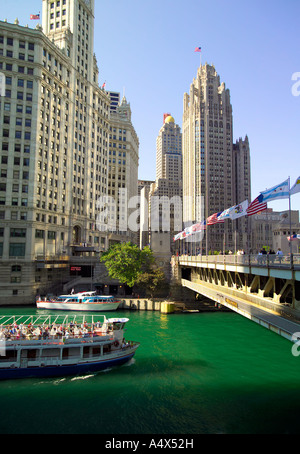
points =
(280, 191)
(296, 187)
(293, 237)
(34, 16)
(213, 219)
(199, 226)
(256, 206)
(198, 49)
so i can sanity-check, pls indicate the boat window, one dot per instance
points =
(10, 356)
(70, 352)
(50, 353)
(118, 326)
(106, 348)
(86, 352)
(31, 354)
(96, 351)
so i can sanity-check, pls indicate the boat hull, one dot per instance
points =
(82, 307)
(65, 370)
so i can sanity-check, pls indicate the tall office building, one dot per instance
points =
(122, 171)
(208, 170)
(54, 143)
(241, 192)
(168, 183)
(169, 150)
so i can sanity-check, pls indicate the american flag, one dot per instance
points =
(198, 49)
(256, 206)
(214, 219)
(34, 16)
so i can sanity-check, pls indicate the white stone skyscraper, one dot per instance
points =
(169, 151)
(168, 184)
(123, 165)
(54, 145)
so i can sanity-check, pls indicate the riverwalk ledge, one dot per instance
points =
(147, 304)
(168, 306)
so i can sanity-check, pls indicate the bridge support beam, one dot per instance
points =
(268, 315)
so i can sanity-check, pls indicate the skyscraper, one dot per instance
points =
(54, 147)
(208, 171)
(169, 150)
(241, 192)
(168, 182)
(122, 170)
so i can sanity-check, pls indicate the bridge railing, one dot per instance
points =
(269, 260)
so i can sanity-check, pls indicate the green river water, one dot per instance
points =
(202, 373)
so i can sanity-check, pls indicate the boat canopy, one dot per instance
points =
(51, 319)
(117, 320)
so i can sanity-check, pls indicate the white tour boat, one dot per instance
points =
(50, 346)
(83, 301)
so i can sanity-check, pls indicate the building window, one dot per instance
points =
(18, 233)
(15, 279)
(17, 249)
(39, 233)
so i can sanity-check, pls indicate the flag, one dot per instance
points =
(200, 226)
(280, 191)
(293, 237)
(214, 219)
(103, 85)
(239, 210)
(34, 16)
(188, 231)
(198, 49)
(256, 206)
(177, 237)
(296, 187)
(225, 214)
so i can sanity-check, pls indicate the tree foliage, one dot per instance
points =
(126, 262)
(152, 280)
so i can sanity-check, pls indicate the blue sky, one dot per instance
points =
(147, 48)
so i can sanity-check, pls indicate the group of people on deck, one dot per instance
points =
(39, 332)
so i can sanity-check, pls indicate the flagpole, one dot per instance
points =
(290, 215)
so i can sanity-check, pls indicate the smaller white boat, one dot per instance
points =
(83, 301)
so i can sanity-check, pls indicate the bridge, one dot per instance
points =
(263, 288)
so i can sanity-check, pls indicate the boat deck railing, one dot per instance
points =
(45, 329)
(59, 339)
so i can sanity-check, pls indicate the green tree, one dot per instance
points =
(152, 281)
(126, 262)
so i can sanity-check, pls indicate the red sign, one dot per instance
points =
(75, 268)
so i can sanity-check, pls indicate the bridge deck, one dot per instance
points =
(263, 290)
